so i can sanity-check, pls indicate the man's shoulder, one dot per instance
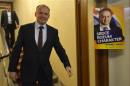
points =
(3, 11)
(51, 28)
(114, 27)
(27, 26)
(97, 26)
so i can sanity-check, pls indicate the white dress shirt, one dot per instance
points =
(44, 33)
(9, 17)
(102, 27)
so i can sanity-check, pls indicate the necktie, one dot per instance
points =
(40, 38)
(105, 28)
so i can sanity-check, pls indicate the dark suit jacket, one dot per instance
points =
(34, 58)
(115, 32)
(4, 19)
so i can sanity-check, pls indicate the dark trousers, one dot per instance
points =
(10, 35)
(44, 78)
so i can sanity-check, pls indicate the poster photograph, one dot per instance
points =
(108, 28)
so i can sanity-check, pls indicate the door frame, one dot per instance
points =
(82, 43)
(101, 56)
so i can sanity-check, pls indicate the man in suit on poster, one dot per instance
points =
(37, 40)
(9, 21)
(107, 31)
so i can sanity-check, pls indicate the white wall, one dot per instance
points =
(119, 60)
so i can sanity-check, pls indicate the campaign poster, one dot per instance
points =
(109, 28)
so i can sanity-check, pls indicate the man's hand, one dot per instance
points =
(17, 26)
(69, 71)
(13, 75)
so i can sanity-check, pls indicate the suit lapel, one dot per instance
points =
(32, 34)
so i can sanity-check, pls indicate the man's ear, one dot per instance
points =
(49, 16)
(35, 14)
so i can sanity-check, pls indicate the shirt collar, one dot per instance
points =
(37, 25)
(102, 26)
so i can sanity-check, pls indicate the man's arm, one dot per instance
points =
(2, 18)
(16, 19)
(14, 57)
(62, 55)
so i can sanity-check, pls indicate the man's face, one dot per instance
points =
(105, 17)
(8, 8)
(42, 15)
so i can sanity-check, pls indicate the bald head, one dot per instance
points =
(42, 13)
(41, 6)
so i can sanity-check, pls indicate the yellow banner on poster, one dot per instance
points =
(109, 28)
